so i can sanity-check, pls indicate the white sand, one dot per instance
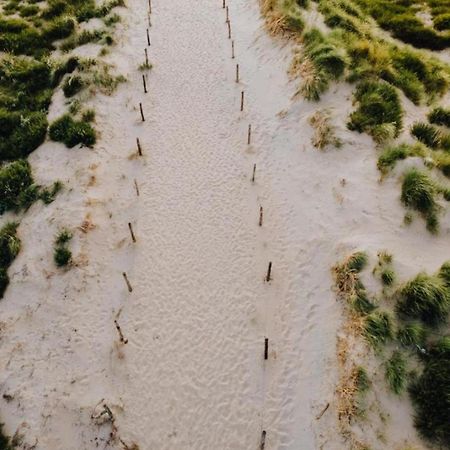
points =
(192, 375)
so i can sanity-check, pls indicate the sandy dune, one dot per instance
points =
(192, 375)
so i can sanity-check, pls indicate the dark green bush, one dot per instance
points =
(430, 394)
(15, 179)
(442, 22)
(72, 85)
(9, 249)
(426, 298)
(67, 130)
(440, 116)
(28, 10)
(58, 29)
(67, 66)
(21, 133)
(62, 256)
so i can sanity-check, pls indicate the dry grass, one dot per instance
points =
(324, 133)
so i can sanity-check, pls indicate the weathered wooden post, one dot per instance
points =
(232, 49)
(260, 216)
(223, 4)
(119, 330)
(263, 440)
(269, 271)
(144, 83)
(266, 348)
(136, 187)
(229, 29)
(228, 14)
(146, 58)
(150, 6)
(142, 112)
(242, 101)
(130, 289)
(133, 237)
(148, 38)
(237, 73)
(138, 143)
(254, 172)
(249, 135)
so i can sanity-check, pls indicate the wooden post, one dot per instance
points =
(269, 271)
(150, 6)
(254, 171)
(266, 348)
(228, 15)
(149, 20)
(261, 212)
(237, 73)
(119, 330)
(146, 57)
(144, 83)
(148, 38)
(242, 101)
(139, 147)
(263, 440)
(136, 187)
(229, 29)
(130, 289)
(232, 49)
(223, 4)
(142, 112)
(133, 237)
(249, 135)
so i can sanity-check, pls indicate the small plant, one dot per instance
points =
(62, 255)
(67, 130)
(360, 302)
(362, 380)
(387, 276)
(15, 179)
(357, 261)
(145, 66)
(88, 115)
(426, 298)
(395, 372)
(378, 328)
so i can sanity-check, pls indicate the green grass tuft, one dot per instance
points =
(378, 328)
(71, 132)
(426, 298)
(395, 372)
(427, 134)
(9, 248)
(412, 334)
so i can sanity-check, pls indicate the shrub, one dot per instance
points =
(62, 256)
(58, 29)
(15, 179)
(72, 86)
(430, 394)
(395, 372)
(361, 303)
(67, 67)
(70, 132)
(427, 134)
(378, 105)
(378, 328)
(412, 334)
(21, 133)
(28, 10)
(9, 249)
(440, 116)
(63, 237)
(426, 298)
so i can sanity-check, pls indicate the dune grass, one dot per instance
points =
(439, 116)
(425, 298)
(395, 372)
(62, 256)
(412, 334)
(378, 112)
(378, 328)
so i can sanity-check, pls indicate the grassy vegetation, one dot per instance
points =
(72, 132)
(419, 192)
(430, 394)
(62, 255)
(439, 116)
(395, 372)
(9, 249)
(6, 443)
(379, 111)
(426, 298)
(427, 134)
(421, 304)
